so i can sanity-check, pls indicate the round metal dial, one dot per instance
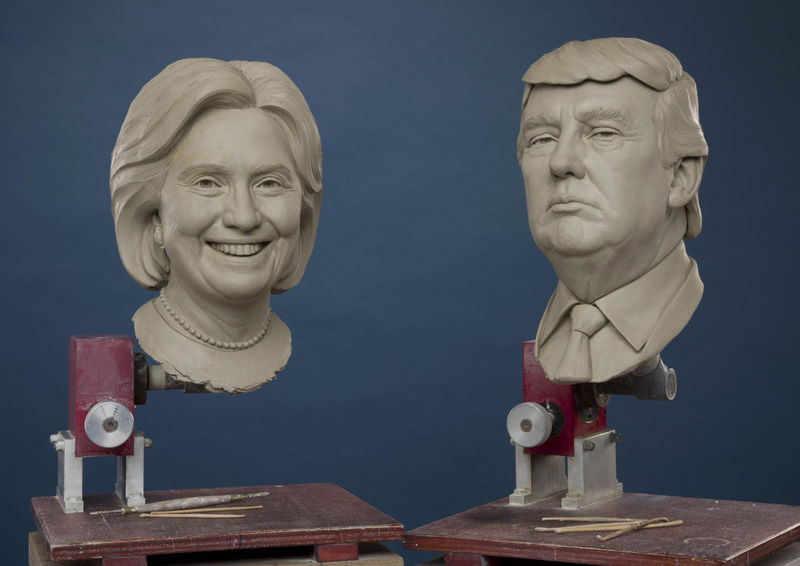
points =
(529, 424)
(108, 424)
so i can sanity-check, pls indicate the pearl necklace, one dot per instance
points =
(203, 337)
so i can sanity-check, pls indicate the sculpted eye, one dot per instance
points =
(206, 183)
(270, 184)
(541, 140)
(605, 135)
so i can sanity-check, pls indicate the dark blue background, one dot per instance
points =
(424, 281)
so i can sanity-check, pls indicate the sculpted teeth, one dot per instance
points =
(238, 249)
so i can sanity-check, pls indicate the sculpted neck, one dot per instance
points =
(232, 321)
(592, 276)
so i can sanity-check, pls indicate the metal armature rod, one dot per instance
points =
(651, 381)
(160, 380)
(155, 378)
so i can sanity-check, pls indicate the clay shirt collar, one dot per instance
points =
(635, 309)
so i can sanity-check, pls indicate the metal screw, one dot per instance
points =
(148, 442)
(589, 414)
(110, 424)
(588, 445)
(526, 425)
(615, 437)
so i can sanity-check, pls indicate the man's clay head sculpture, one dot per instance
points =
(216, 182)
(612, 154)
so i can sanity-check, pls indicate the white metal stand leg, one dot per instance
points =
(538, 476)
(70, 473)
(130, 473)
(592, 471)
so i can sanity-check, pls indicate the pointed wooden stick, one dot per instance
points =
(601, 527)
(591, 519)
(585, 528)
(213, 509)
(651, 523)
(630, 528)
(156, 515)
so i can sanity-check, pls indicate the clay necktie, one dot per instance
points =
(576, 365)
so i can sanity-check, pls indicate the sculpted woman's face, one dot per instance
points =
(230, 206)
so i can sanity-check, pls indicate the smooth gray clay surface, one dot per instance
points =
(612, 153)
(216, 182)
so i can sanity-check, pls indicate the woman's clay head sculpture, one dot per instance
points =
(159, 118)
(216, 182)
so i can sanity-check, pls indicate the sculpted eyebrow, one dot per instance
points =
(211, 168)
(276, 168)
(536, 121)
(214, 169)
(601, 113)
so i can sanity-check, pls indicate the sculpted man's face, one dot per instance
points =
(230, 206)
(592, 167)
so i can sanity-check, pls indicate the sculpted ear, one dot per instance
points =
(158, 233)
(686, 181)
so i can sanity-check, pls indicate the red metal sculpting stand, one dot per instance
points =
(100, 369)
(100, 418)
(558, 421)
(536, 388)
(106, 380)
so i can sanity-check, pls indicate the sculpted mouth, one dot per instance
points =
(238, 250)
(568, 203)
(567, 206)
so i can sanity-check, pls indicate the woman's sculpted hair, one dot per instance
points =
(159, 117)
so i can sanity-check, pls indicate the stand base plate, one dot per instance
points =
(293, 515)
(715, 532)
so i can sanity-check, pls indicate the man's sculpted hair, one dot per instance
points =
(160, 116)
(609, 59)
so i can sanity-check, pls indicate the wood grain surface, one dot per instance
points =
(370, 554)
(715, 532)
(293, 515)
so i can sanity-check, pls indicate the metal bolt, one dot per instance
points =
(601, 398)
(110, 424)
(615, 437)
(588, 445)
(526, 425)
(148, 442)
(54, 438)
(59, 445)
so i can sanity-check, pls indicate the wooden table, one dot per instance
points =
(715, 532)
(323, 516)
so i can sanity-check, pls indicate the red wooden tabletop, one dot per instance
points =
(293, 515)
(714, 532)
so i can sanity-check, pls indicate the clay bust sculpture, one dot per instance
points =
(612, 153)
(216, 182)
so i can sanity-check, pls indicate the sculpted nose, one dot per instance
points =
(240, 210)
(567, 159)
